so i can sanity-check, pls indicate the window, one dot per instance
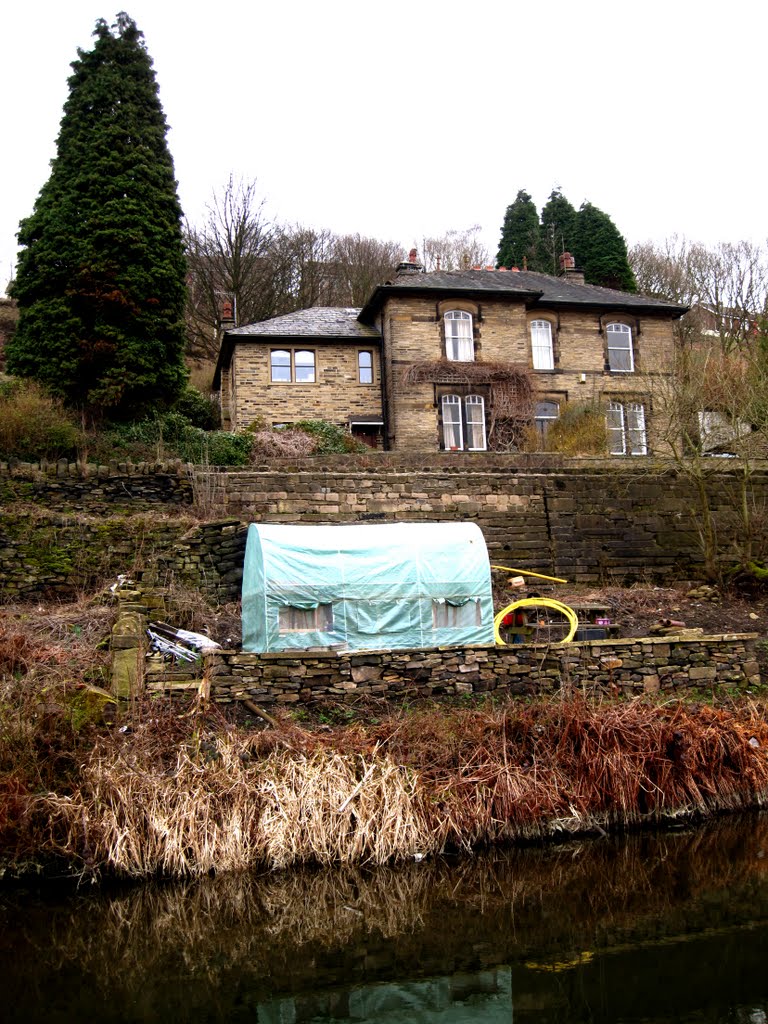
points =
(459, 344)
(544, 415)
(626, 429)
(302, 620)
(541, 345)
(464, 423)
(719, 434)
(456, 612)
(619, 341)
(297, 365)
(365, 367)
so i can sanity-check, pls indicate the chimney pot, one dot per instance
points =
(567, 262)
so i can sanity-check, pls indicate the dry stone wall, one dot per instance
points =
(631, 667)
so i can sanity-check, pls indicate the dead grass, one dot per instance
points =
(183, 791)
(185, 795)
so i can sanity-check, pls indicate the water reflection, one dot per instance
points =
(649, 928)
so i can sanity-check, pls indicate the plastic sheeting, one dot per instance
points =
(366, 587)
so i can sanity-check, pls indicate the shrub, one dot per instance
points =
(579, 431)
(269, 444)
(171, 436)
(330, 438)
(33, 425)
(198, 410)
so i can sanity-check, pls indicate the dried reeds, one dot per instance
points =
(184, 796)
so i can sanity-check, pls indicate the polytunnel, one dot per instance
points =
(366, 587)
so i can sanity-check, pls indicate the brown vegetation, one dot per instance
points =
(179, 790)
(181, 794)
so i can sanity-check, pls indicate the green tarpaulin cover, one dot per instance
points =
(372, 587)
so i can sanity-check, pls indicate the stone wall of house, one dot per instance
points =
(633, 666)
(414, 332)
(62, 528)
(334, 395)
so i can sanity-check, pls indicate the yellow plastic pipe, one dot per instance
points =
(525, 572)
(537, 602)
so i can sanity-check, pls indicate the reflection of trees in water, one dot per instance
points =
(426, 918)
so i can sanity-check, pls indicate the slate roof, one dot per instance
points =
(525, 285)
(317, 322)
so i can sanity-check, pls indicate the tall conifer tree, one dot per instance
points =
(601, 251)
(558, 231)
(101, 276)
(519, 234)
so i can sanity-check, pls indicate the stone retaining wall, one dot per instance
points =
(631, 666)
(588, 520)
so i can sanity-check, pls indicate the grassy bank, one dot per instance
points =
(185, 792)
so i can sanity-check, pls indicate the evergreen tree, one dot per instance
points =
(101, 276)
(519, 243)
(558, 231)
(601, 251)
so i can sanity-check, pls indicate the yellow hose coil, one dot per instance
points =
(538, 602)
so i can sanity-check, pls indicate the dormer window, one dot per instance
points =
(459, 342)
(619, 344)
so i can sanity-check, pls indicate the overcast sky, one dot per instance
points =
(403, 120)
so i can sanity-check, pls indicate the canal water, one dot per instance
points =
(653, 928)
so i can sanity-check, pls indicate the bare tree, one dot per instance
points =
(455, 250)
(713, 411)
(228, 260)
(725, 286)
(362, 264)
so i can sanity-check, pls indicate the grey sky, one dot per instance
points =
(405, 120)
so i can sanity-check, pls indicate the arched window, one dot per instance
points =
(626, 429)
(474, 412)
(453, 435)
(619, 343)
(459, 344)
(544, 416)
(464, 423)
(541, 345)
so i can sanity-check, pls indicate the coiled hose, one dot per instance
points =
(537, 602)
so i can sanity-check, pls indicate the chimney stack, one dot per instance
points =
(411, 265)
(569, 270)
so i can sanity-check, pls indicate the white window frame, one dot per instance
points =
(464, 423)
(459, 336)
(626, 429)
(614, 333)
(453, 423)
(543, 416)
(474, 417)
(542, 350)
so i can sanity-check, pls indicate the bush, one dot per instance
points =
(171, 436)
(33, 425)
(330, 438)
(270, 444)
(579, 431)
(198, 410)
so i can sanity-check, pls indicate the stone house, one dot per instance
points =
(457, 360)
